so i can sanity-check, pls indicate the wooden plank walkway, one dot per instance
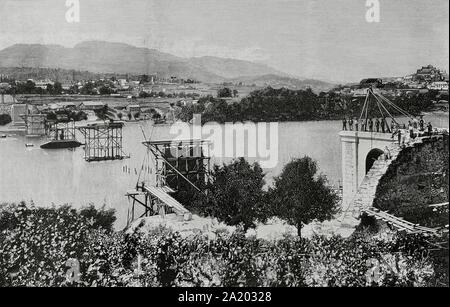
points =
(161, 194)
(401, 224)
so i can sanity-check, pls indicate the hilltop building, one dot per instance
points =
(428, 73)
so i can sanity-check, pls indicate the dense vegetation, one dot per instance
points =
(418, 179)
(271, 105)
(64, 247)
(30, 87)
(4, 119)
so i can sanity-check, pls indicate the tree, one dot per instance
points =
(50, 89)
(4, 119)
(104, 90)
(88, 89)
(57, 89)
(301, 196)
(235, 194)
(224, 93)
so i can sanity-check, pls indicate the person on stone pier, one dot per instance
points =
(382, 125)
(362, 125)
(387, 153)
(377, 125)
(344, 124)
(370, 125)
(415, 123)
(421, 124)
(356, 124)
(430, 129)
(411, 133)
(393, 125)
(400, 133)
(402, 138)
(407, 137)
(350, 124)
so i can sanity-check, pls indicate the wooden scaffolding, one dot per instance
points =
(103, 141)
(180, 167)
(178, 163)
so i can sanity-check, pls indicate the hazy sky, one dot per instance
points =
(326, 39)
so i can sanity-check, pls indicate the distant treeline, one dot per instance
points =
(25, 73)
(271, 105)
(29, 87)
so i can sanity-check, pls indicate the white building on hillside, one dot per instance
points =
(440, 86)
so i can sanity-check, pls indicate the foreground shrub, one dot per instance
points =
(41, 246)
(36, 250)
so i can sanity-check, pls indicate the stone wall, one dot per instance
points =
(356, 145)
(418, 178)
(349, 167)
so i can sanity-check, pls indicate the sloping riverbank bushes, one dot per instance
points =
(65, 247)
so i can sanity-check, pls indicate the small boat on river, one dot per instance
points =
(61, 144)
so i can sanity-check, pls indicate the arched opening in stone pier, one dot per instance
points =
(372, 156)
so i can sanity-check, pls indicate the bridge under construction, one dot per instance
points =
(103, 141)
(181, 167)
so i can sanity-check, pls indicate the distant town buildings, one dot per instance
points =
(7, 99)
(43, 84)
(91, 105)
(439, 86)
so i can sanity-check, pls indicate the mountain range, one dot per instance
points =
(107, 57)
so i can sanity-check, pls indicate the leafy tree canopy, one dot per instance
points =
(235, 194)
(301, 196)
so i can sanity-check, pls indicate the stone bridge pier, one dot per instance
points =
(359, 152)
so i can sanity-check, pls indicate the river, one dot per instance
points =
(58, 177)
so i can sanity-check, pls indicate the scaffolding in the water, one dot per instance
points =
(103, 141)
(180, 166)
(60, 129)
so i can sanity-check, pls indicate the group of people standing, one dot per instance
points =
(415, 126)
(370, 125)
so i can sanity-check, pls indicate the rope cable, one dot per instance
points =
(364, 106)
(396, 107)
